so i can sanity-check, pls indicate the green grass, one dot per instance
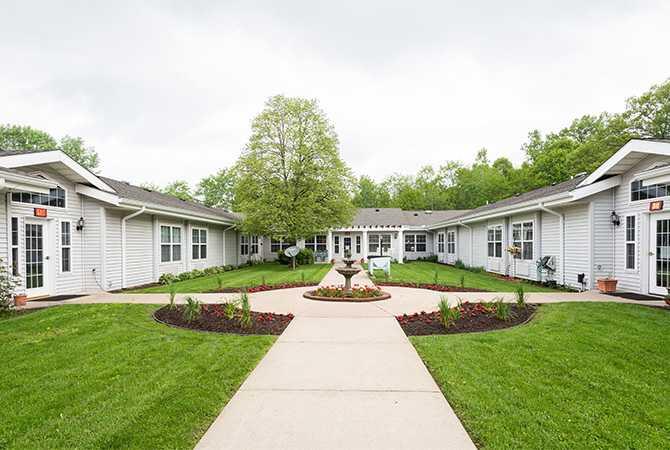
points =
(108, 376)
(249, 276)
(580, 375)
(424, 272)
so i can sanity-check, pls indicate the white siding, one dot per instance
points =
(92, 249)
(232, 248)
(603, 235)
(550, 237)
(139, 250)
(113, 249)
(463, 245)
(480, 254)
(577, 245)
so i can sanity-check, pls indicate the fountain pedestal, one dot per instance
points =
(347, 272)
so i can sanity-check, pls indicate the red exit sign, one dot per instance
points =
(40, 212)
(656, 206)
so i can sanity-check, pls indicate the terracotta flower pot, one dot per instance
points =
(20, 299)
(607, 285)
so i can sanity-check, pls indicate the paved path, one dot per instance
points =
(333, 278)
(347, 383)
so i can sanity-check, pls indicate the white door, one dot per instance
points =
(37, 258)
(659, 254)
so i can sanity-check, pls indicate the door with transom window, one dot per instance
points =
(659, 254)
(37, 258)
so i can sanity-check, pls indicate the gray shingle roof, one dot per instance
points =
(397, 217)
(143, 195)
(536, 194)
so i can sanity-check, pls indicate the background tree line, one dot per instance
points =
(550, 158)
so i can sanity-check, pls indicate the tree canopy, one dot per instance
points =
(291, 180)
(25, 138)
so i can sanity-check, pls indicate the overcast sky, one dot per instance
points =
(167, 90)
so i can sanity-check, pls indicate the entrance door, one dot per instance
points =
(346, 245)
(659, 254)
(36, 268)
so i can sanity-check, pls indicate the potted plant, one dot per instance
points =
(607, 285)
(667, 298)
(20, 298)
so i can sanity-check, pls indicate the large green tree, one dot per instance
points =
(370, 194)
(292, 182)
(218, 190)
(179, 189)
(25, 138)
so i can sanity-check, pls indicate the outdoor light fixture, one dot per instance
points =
(80, 224)
(616, 221)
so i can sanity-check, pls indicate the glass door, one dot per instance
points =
(659, 254)
(35, 260)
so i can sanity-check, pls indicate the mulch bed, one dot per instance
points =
(430, 286)
(313, 296)
(212, 318)
(475, 317)
(265, 287)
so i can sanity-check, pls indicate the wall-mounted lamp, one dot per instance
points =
(614, 218)
(80, 224)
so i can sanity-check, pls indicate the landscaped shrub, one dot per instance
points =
(503, 310)
(229, 309)
(7, 286)
(460, 265)
(219, 282)
(356, 292)
(462, 281)
(431, 258)
(192, 309)
(245, 317)
(520, 297)
(305, 256)
(436, 278)
(166, 278)
(184, 276)
(449, 315)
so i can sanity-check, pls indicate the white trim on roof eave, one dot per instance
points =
(16, 182)
(97, 194)
(634, 145)
(54, 156)
(174, 212)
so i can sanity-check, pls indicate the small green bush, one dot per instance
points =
(304, 257)
(520, 297)
(166, 278)
(462, 281)
(192, 309)
(245, 316)
(447, 314)
(436, 277)
(229, 309)
(503, 311)
(460, 265)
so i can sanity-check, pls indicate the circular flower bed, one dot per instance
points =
(216, 318)
(470, 317)
(337, 294)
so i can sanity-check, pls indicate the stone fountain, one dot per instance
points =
(347, 272)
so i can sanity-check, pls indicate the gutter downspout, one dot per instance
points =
(123, 243)
(469, 228)
(561, 244)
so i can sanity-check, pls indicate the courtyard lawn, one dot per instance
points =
(108, 376)
(272, 273)
(580, 375)
(424, 272)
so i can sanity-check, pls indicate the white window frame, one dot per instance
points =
(65, 245)
(497, 243)
(39, 205)
(358, 242)
(440, 242)
(244, 244)
(254, 245)
(451, 242)
(629, 242)
(171, 242)
(14, 245)
(523, 225)
(282, 244)
(200, 245)
(313, 243)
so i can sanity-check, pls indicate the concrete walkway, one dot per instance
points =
(345, 382)
(333, 278)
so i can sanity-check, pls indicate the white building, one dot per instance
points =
(66, 230)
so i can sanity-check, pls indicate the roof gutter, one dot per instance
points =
(174, 213)
(123, 243)
(561, 234)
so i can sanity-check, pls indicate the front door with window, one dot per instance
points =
(659, 254)
(36, 259)
(346, 247)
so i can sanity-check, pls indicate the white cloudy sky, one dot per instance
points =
(167, 90)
